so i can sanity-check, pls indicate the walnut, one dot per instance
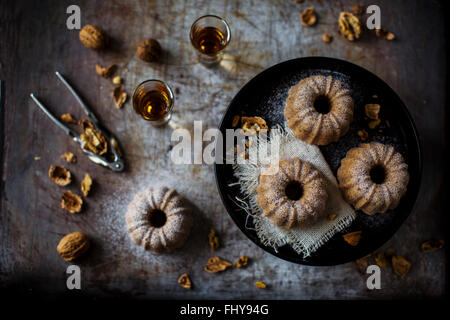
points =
(105, 72)
(69, 157)
(242, 262)
(93, 140)
(260, 284)
(252, 125)
(216, 264)
(149, 50)
(372, 110)
(71, 202)
(308, 17)
(327, 38)
(383, 33)
(400, 265)
(73, 246)
(432, 245)
(213, 240)
(363, 134)
(381, 260)
(352, 238)
(93, 37)
(67, 117)
(119, 96)
(184, 281)
(59, 175)
(349, 25)
(86, 184)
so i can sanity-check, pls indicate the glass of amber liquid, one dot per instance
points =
(210, 35)
(153, 101)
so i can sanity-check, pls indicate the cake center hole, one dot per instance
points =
(157, 218)
(294, 190)
(322, 104)
(378, 174)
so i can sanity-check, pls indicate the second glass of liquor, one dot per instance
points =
(210, 35)
(153, 101)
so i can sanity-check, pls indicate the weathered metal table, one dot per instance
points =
(34, 42)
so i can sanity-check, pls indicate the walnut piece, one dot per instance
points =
(352, 238)
(71, 202)
(216, 264)
(184, 281)
(59, 175)
(149, 50)
(363, 263)
(213, 240)
(93, 37)
(242, 262)
(235, 121)
(372, 110)
(327, 38)
(86, 184)
(260, 284)
(357, 9)
(93, 140)
(253, 125)
(67, 117)
(363, 134)
(400, 265)
(119, 96)
(308, 17)
(69, 157)
(73, 246)
(117, 80)
(331, 216)
(105, 72)
(349, 25)
(374, 123)
(381, 260)
(432, 245)
(383, 33)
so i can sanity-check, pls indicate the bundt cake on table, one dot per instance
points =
(319, 110)
(159, 220)
(295, 196)
(373, 177)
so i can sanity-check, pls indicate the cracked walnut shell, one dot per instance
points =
(352, 238)
(184, 281)
(349, 25)
(71, 202)
(119, 96)
(73, 246)
(59, 175)
(105, 72)
(93, 37)
(216, 264)
(308, 17)
(93, 140)
(149, 50)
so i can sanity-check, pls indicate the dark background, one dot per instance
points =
(34, 42)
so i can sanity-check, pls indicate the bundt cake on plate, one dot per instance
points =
(158, 219)
(295, 196)
(373, 177)
(319, 110)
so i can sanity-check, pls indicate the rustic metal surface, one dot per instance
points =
(34, 42)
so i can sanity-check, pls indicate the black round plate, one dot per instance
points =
(265, 96)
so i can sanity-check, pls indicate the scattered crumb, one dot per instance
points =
(69, 157)
(327, 38)
(383, 33)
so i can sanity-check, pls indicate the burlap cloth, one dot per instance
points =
(305, 240)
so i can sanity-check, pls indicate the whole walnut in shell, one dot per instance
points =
(73, 246)
(149, 50)
(93, 37)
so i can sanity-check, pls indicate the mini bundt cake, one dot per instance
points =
(373, 177)
(319, 110)
(293, 197)
(158, 219)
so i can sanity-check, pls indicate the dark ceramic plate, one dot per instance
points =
(264, 96)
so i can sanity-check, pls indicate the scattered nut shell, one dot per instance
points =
(308, 17)
(381, 260)
(119, 96)
(235, 121)
(372, 110)
(216, 264)
(400, 265)
(71, 202)
(373, 124)
(383, 33)
(69, 157)
(93, 140)
(117, 80)
(357, 9)
(73, 246)
(253, 125)
(67, 117)
(149, 50)
(93, 37)
(260, 284)
(363, 134)
(327, 38)
(242, 262)
(352, 238)
(331, 216)
(59, 175)
(432, 245)
(105, 72)
(86, 184)
(349, 25)
(213, 240)
(184, 281)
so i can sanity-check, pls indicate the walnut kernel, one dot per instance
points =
(71, 202)
(86, 184)
(216, 264)
(352, 238)
(120, 96)
(349, 25)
